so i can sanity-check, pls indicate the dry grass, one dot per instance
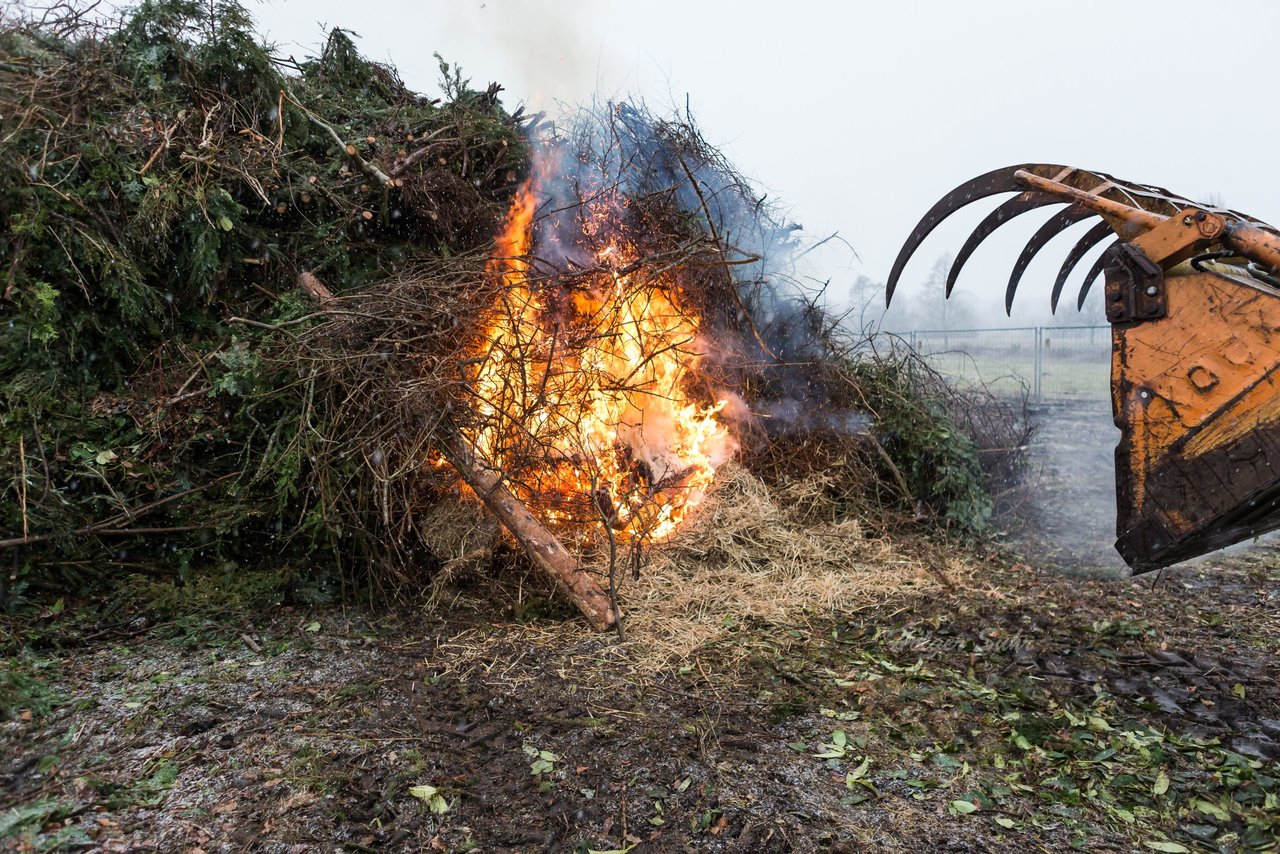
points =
(750, 553)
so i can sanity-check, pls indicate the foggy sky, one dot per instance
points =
(858, 116)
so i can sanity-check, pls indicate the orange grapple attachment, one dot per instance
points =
(1195, 371)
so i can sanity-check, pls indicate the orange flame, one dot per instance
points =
(581, 394)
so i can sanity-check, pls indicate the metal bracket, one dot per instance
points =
(1134, 285)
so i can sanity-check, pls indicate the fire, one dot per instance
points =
(581, 389)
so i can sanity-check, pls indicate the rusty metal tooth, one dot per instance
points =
(1018, 205)
(1055, 225)
(1091, 238)
(984, 186)
(1094, 272)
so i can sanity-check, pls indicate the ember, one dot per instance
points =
(582, 382)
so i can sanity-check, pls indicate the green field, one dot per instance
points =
(1056, 364)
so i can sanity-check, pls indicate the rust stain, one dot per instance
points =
(1195, 392)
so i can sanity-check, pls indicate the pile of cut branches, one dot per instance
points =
(244, 299)
(163, 182)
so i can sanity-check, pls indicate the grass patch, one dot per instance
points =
(149, 790)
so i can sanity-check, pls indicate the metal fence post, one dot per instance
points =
(1039, 363)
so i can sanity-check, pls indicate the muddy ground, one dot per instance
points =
(1034, 710)
(1064, 514)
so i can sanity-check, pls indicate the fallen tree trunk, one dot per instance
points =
(540, 544)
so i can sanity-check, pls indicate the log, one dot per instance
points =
(541, 545)
(314, 288)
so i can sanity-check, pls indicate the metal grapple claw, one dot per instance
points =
(984, 186)
(1195, 370)
(1057, 224)
(1090, 277)
(1019, 204)
(1091, 238)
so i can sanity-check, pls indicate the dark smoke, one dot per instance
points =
(767, 343)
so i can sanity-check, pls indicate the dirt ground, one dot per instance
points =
(952, 724)
(1065, 516)
(1031, 709)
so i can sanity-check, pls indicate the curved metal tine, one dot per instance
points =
(1093, 273)
(1019, 204)
(1055, 225)
(992, 183)
(1091, 238)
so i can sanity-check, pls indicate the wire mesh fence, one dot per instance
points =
(1046, 362)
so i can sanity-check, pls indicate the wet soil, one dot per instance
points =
(312, 730)
(1065, 511)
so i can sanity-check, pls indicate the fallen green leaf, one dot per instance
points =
(1099, 724)
(431, 797)
(1211, 809)
(857, 773)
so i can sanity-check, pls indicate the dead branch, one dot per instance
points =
(350, 150)
(541, 545)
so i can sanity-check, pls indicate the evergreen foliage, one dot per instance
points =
(159, 179)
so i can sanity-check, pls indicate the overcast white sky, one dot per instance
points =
(860, 115)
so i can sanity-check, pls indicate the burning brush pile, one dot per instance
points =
(491, 342)
(631, 343)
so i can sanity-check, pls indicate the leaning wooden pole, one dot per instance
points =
(541, 545)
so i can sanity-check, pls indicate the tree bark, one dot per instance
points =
(540, 544)
(314, 288)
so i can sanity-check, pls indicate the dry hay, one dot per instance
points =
(747, 554)
(463, 538)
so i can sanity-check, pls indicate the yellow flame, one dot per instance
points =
(583, 403)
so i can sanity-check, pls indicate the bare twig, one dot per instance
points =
(350, 150)
(107, 527)
(22, 483)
